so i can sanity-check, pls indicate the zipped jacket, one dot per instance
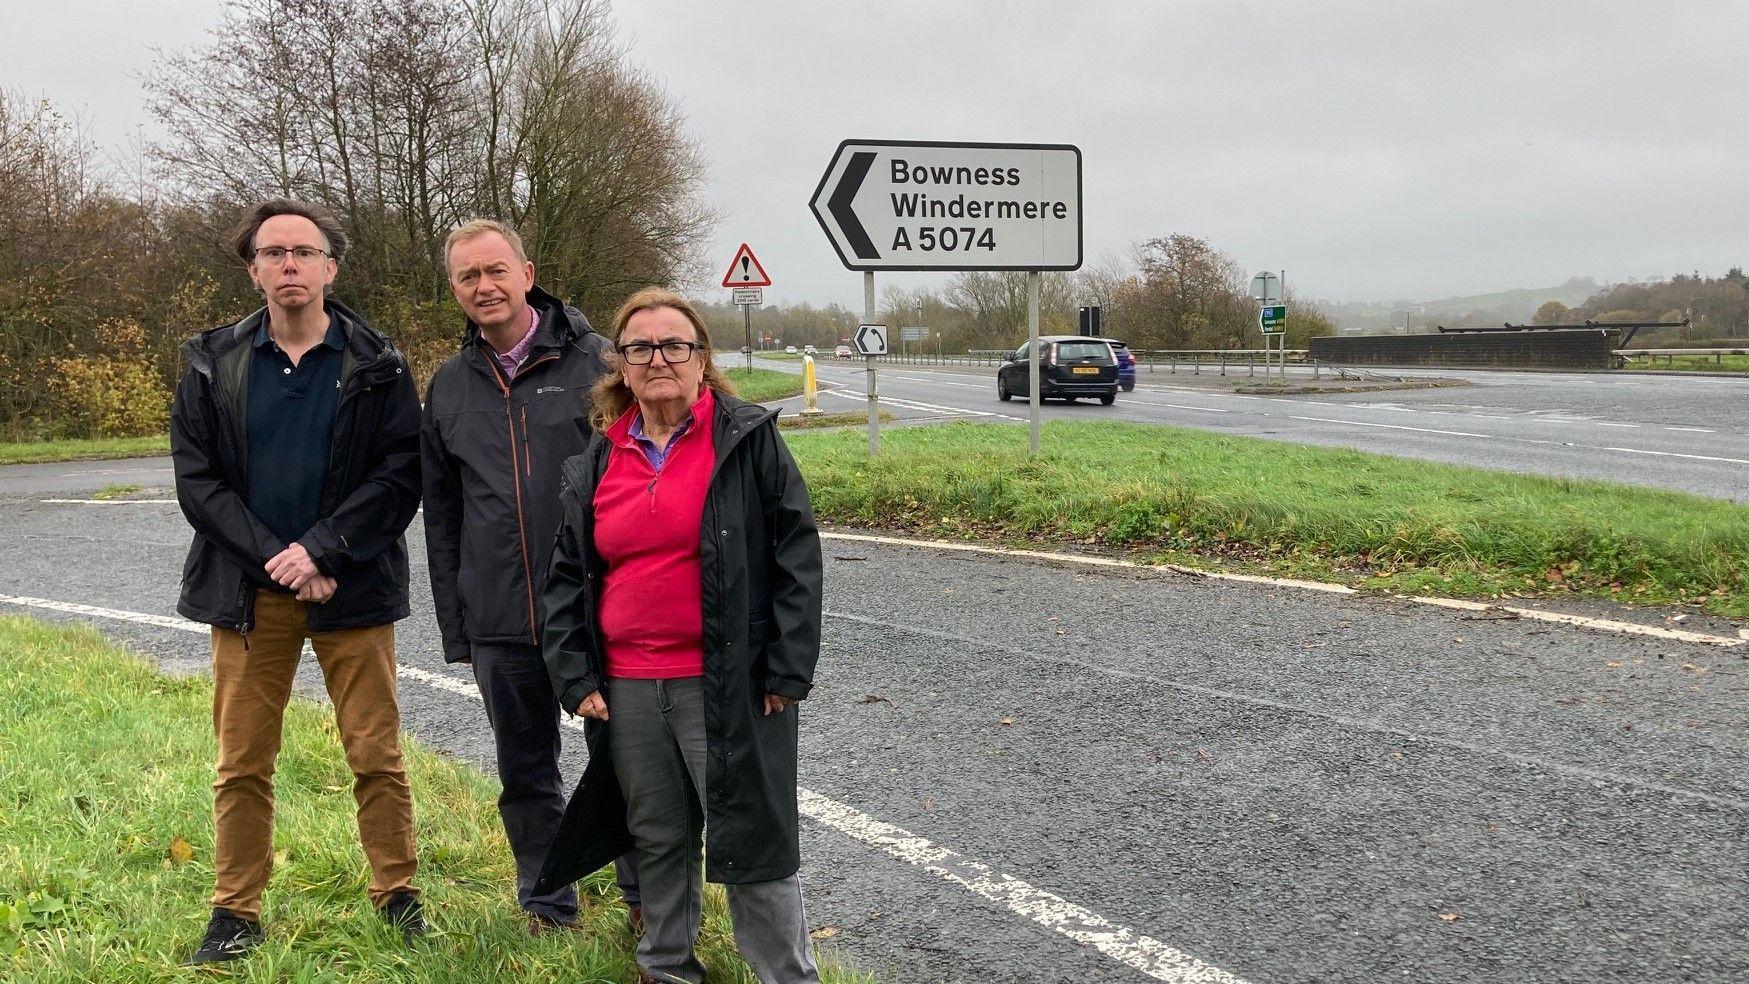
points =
(492, 449)
(368, 498)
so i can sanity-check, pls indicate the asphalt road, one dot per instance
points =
(1687, 433)
(1283, 785)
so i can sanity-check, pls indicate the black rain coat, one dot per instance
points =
(492, 453)
(759, 555)
(371, 492)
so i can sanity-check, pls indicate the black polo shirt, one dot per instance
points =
(291, 423)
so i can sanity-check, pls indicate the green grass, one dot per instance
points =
(1369, 520)
(107, 763)
(115, 491)
(764, 385)
(1694, 363)
(34, 452)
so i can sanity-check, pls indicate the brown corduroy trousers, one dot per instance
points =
(250, 689)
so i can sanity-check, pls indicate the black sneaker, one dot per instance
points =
(228, 937)
(403, 910)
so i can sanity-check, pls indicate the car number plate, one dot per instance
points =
(1085, 370)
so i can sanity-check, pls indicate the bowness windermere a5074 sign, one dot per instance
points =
(890, 205)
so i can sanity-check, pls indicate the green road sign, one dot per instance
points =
(1272, 318)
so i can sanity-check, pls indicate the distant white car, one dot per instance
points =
(810, 350)
(789, 350)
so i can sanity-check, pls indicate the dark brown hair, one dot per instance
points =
(611, 396)
(243, 240)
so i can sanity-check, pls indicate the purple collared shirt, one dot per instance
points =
(512, 361)
(655, 455)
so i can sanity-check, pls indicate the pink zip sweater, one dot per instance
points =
(647, 526)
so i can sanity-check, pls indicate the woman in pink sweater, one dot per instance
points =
(682, 619)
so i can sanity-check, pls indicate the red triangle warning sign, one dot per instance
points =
(745, 271)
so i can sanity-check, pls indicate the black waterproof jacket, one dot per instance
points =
(371, 492)
(759, 555)
(492, 453)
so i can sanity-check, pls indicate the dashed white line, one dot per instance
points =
(1143, 953)
(1693, 430)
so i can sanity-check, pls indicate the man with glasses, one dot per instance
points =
(295, 438)
(501, 416)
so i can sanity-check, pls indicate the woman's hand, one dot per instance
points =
(593, 706)
(777, 704)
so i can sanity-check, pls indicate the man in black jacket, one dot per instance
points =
(295, 437)
(501, 416)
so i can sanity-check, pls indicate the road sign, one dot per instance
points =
(870, 339)
(745, 271)
(1272, 318)
(751, 296)
(913, 334)
(1266, 288)
(891, 205)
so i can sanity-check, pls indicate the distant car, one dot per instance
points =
(810, 350)
(1126, 366)
(841, 352)
(789, 350)
(1070, 367)
(746, 350)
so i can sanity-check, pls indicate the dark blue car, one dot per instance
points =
(1126, 366)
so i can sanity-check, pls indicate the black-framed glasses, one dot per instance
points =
(673, 353)
(304, 255)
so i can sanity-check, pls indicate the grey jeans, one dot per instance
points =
(656, 737)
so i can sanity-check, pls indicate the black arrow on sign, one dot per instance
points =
(839, 205)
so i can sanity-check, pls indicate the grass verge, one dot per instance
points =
(1693, 363)
(764, 385)
(106, 844)
(1330, 514)
(35, 452)
(823, 420)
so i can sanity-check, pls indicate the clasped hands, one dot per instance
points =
(293, 568)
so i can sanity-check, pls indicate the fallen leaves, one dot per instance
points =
(824, 933)
(181, 851)
(1008, 722)
(875, 699)
(1449, 917)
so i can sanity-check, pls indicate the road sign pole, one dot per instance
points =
(747, 317)
(1031, 351)
(874, 399)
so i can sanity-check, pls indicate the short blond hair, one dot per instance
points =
(474, 229)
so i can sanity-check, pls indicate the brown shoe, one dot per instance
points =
(635, 923)
(539, 925)
(644, 978)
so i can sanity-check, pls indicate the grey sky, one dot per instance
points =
(1374, 150)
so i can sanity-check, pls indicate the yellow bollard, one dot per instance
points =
(810, 387)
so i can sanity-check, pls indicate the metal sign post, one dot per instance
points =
(871, 340)
(1032, 278)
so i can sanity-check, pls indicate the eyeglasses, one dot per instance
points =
(674, 353)
(304, 255)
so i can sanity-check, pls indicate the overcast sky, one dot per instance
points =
(1373, 150)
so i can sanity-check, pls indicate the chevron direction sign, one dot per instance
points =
(891, 205)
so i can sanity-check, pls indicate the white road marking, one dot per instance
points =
(1402, 427)
(1535, 614)
(1673, 454)
(1143, 953)
(1088, 928)
(1693, 430)
(1605, 423)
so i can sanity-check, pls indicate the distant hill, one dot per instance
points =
(1515, 306)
